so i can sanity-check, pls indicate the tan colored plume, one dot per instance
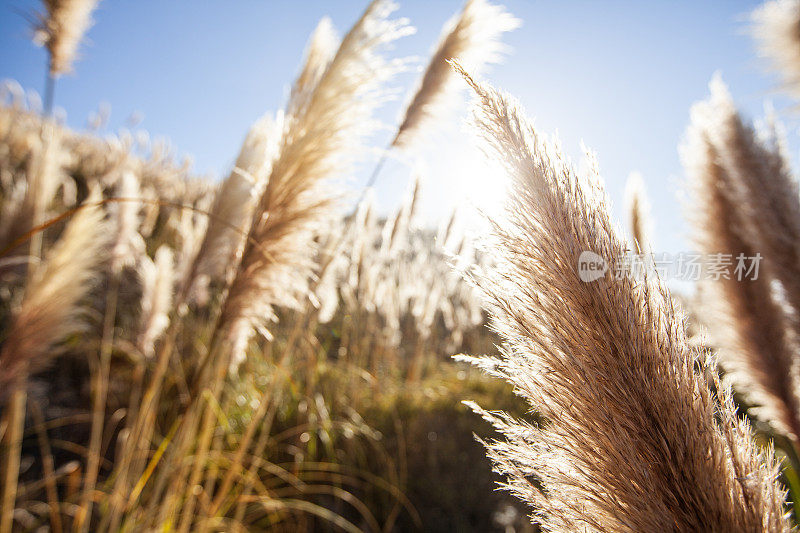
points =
(62, 29)
(321, 137)
(128, 243)
(234, 201)
(473, 39)
(745, 203)
(632, 437)
(157, 281)
(51, 306)
(321, 48)
(776, 27)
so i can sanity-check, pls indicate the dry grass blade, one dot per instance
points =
(473, 39)
(631, 440)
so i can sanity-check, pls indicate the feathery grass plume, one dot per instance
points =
(637, 207)
(234, 202)
(190, 225)
(156, 277)
(236, 199)
(473, 39)
(630, 440)
(320, 139)
(766, 192)
(737, 187)
(320, 51)
(50, 308)
(61, 31)
(128, 243)
(776, 28)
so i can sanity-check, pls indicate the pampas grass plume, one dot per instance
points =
(321, 137)
(633, 439)
(473, 39)
(776, 27)
(157, 282)
(128, 243)
(745, 203)
(51, 306)
(234, 202)
(61, 31)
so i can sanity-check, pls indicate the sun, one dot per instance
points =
(478, 184)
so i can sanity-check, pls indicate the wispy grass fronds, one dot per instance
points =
(766, 191)
(473, 39)
(128, 243)
(157, 282)
(61, 31)
(322, 134)
(745, 203)
(637, 208)
(776, 27)
(632, 437)
(234, 203)
(321, 49)
(233, 206)
(320, 140)
(51, 306)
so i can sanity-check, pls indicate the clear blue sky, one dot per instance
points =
(619, 75)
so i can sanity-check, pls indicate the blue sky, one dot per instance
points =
(618, 75)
